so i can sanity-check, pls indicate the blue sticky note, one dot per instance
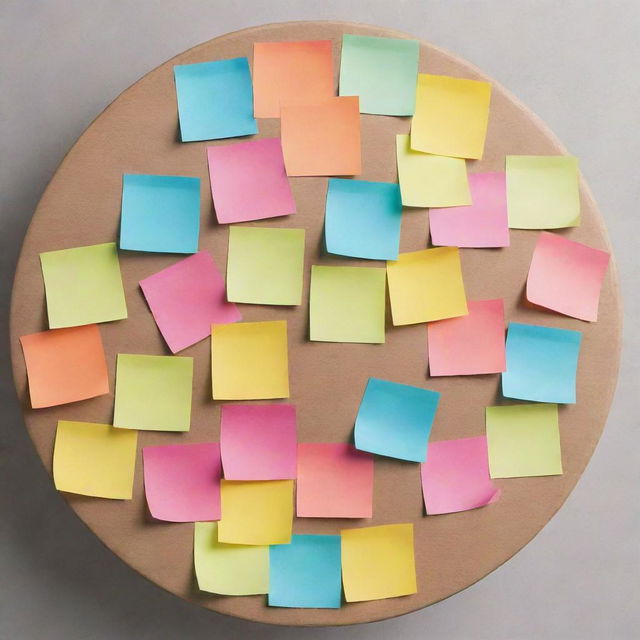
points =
(362, 219)
(395, 420)
(160, 213)
(306, 573)
(215, 100)
(541, 363)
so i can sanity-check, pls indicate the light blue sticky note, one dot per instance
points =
(306, 573)
(395, 420)
(215, 100)
(160, 213)
(362, 219)
(541, 363)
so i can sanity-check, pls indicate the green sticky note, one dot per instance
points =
(265, 265)
(83, 285)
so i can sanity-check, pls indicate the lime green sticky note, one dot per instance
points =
(347, 304)
(83, 285)
(523, 440)
(265, 265)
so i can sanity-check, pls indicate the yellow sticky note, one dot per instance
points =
(451, 116)
(378, 562)
(426, 285)
(249, 360)
(228, 569)
(94, 459)
(428, 180)
(256, 512)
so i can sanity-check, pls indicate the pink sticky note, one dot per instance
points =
(455, 476)
(470, 344)
(186, 299)
(182, 481)
(566, 276)
(248, 181)
(481, 224)
(335, 480)
(258, 442)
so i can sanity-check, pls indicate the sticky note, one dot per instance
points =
(335, 480)
(483, 223)
(524, 440)
(378, 562)
(94, 460)
(228, 569)
(306, 573)
(455, 476)
(451, 116)
(362, 219)
(248, 181)
(382, 72)
(321, 138)
(426, 285)
(428, 180)
(65, 365)
(395, 420)
(289, 72)
(83, 285)
(186, 298)
(258, 441)
(153, 392)
(182, 481)
(566, 276)
(541, 363)
(265, 265)
(542, 192)
(215, 99)
(471, 344)
(347, 304)
(256, 512)
(250, 361)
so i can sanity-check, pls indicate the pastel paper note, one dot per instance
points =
(382, 72)
(471, 344)
(186, 298)
(451, 116)
(215, 99)
(362, 219)
(322, 138)
(160, 213)
(566, 276)
(228, 569)
(153, 393)
(378, 562)
(335, 480)
(426, 285)
(306, 573)
(182, 481)
(94, 460)
(83, 285)
(542, 192)
(483, 223)
(65, 365)
(524, 440)
(347, 304)
(250, 361)
(455, 476)
(428, 180)
(290, 72)
(258, 442)
(248, 181)
(541, 363)
(256, 512)
(265, 265)
(395, 420)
